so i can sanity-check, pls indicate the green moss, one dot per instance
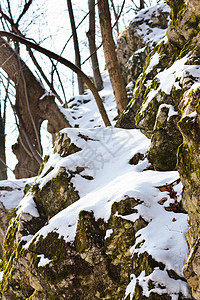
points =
(12, 213)
(125, 34)
(9, 253)
(64, 146)
(46, 158)
(89, 232)
(185, 163)
(56, 195)
(177, 8)
(145, 262)
(48, 171)
(124, 207)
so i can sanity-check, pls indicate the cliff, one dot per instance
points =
(107, 216)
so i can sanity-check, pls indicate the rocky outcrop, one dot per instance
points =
(168, 73)
(139, 39)
(10, 196)
(98, 246)
(59, 245)
(188, 162)
(167, 93)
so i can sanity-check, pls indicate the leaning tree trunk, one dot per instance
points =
(92, 46)
(3, 169)
(112, 63)
(76, 46)
(32, 107)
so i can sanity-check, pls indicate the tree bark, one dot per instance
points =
(92, 46)
(3, 169)
(31, 112)
(112, 63)
(141, 4)
(76, 46)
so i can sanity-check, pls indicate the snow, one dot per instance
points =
(171, 111)
(158, 276)
(171, 74)
(1, 275)
(105, 154)
(43, 260)
(108, 233)
(28, 206)
(187, 109)
(131, 287)
(87, 115)
(170, 77)
(153, 62)
(12, 191)
(152, 35)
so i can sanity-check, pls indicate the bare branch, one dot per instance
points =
(7, 167)
(77, 28)
(68, 64)
(18, 32)
(26, 7)
(44, 76)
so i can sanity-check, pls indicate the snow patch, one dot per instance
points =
(153, 62)
(171, 111)
(43, 260)
(108, 233)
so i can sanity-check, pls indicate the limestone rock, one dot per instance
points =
(188, 163)
(139, 39)
(162, 153)
(97, 264)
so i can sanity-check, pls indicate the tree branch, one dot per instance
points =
(68, 64)
(18, 32)
(26, 7)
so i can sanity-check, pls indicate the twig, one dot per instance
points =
(6, 165)
(26, 7)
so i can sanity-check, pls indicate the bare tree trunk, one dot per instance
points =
(31, 111)
(92, 46)
(141, 4)
(3, 169)
(110, 56)
(76, 46)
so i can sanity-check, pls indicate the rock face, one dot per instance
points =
(57, 246)
(169, 71)
(188, 161)
(140, 38)
(83, 253)
(167, 93)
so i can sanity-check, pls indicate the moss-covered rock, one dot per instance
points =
(150, 94)
(188, 164)
(138, 40)
(162, 153)
(64, 146)
(57, 194)
(96, 265)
